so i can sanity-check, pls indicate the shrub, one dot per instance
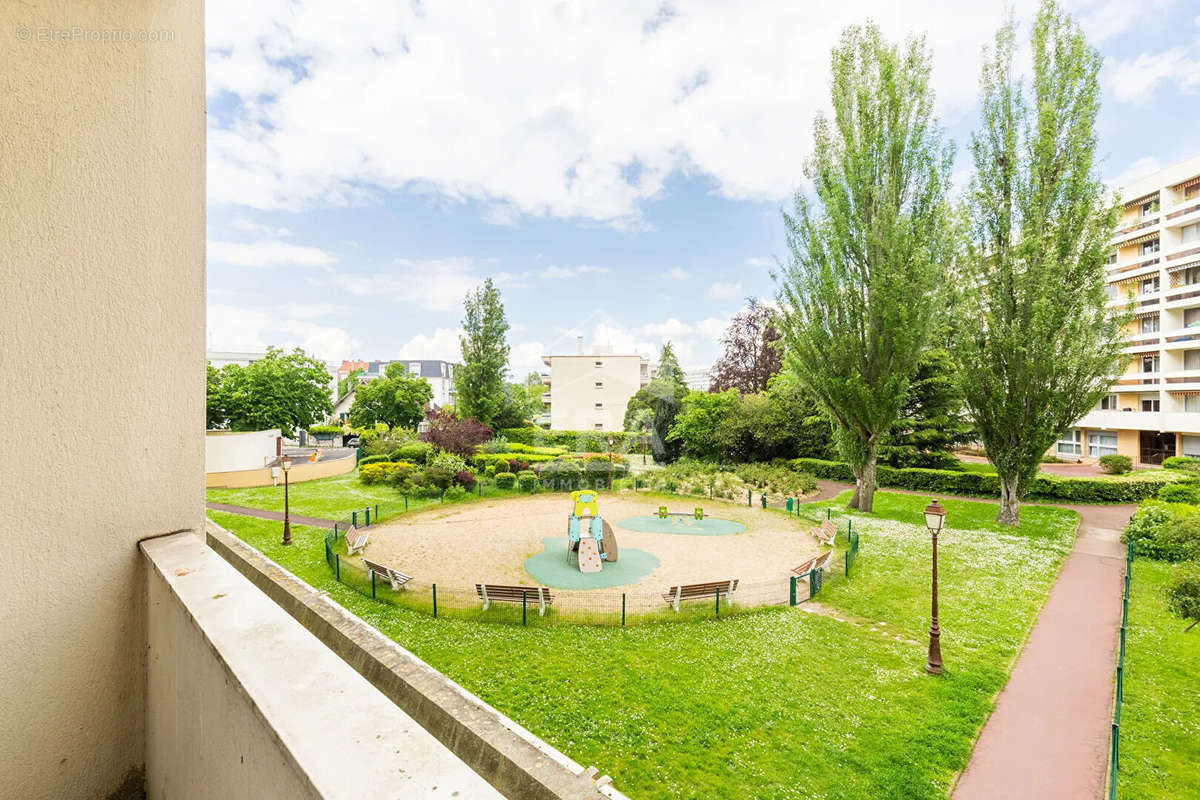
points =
(562, 476)
(455, 435)
(454, 493)
(1098, 489)
(325, 430)
(527, 479)
(1183, 593)
(482, 459)
(416, 452)
(1115, 464)
(434, 478)
(1050, 458)
(497, 445)
(450, 462)
(501, 467)
(394, 472)
(505, 480)
(372, 460)
(1166, 532)
(489, 471)
(1187, 463)
(465, 478)
(1179, 493)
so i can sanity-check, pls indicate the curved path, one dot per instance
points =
(1048, 738)
(298, 519)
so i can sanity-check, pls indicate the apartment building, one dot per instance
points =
(439, 375)
(1153, 411)
(590, 391)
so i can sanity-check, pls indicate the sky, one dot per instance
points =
(618, 168)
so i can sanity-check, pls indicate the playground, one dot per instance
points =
(615, 540)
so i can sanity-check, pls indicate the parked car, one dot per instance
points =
(351, 441)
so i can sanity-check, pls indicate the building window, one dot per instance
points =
(1191, 276)
(1101, 444)
(599, 426)
(1191, 359)
(1150, 285)
(1150, 324)
(599, 364)
(1191, 446)
(1150, 247)
(414, 367)
(1192, 192)
(1150, 404)
(1149, 208)
(1190, 233)
(1149, 363)
(1111, 258)
(599, 384)
(1069, 444)
(1191, 317)
(1191, 403)
(599, 406)
(1108, 403)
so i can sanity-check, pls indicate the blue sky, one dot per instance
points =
(617, 168)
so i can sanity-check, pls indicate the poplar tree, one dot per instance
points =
(479, 383)
(867, 254)
(1037, 347)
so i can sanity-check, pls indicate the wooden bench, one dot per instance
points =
(814, 563)
(356, 540)
(826, 532)
(699, 591)
(495, 593)
(396, 578)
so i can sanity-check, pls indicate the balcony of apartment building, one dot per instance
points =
(1184, 202)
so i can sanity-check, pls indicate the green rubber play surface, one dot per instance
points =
(551, 568)
(688, 526)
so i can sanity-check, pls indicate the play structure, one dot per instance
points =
(588, 534)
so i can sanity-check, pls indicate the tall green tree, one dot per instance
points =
(868, 254)
(480, 380)
(216, 414)
(701, 423)
(397, 399)
(1037, 346)
(282, 390)
(933, 420)
(517, 408)
(346, 383)
(668, 367)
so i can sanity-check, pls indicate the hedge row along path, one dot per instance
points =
(1048, 737)
(316, 522)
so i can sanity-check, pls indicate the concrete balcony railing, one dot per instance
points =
(546, 398)
(259, 686)
(1128, 420)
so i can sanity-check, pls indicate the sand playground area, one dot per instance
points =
(523, 540)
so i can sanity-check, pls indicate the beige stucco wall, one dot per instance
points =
(573, 392)
(301, 471)
(102, 349)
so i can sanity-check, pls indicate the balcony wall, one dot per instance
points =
(242, 701)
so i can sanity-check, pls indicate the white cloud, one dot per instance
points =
(312, 310)
(1138, 169)
(724, 291)
(760, 263)
(526, 357)
(468, 104)
(669, 329)
(439, 284)
(1134, 80)
(250, 226)
(238, 328)
(443, 345)
(712, 328)
(676, 274)
(268, 254)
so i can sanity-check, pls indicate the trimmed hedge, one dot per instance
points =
(1115, 464)
(527, 479)
(505, 480)
(416, 452)
(1099, 489)
(586, 441)
(362, 462)
(1182, 462)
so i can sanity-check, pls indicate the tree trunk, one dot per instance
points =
(863, 498)
(1010, 502)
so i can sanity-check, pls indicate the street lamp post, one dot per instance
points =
(610, 447)
(286, 463)
(935, 518)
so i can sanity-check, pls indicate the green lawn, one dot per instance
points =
(1160, 720)
(772, 704)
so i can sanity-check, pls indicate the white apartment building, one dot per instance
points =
(590, 391)
(1153, 411)
(699, 379)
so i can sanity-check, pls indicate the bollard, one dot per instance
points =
(749, 498)
(718, 594)
(435, 601)
(789, 505)
(372, 583)
(377, 513)
(337, 567)
(763, 497)
(792, 591)
(354, 518)
(406, 502)
(367, 513)
(828, 512)
(622, 609)
(524, 597)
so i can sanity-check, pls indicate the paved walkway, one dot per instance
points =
(297, 519)
(1048, 738)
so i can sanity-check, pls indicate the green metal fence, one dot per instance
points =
(592, 607)
(1120, 694)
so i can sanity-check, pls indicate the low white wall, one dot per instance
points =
(226, 451)
(242, 701)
